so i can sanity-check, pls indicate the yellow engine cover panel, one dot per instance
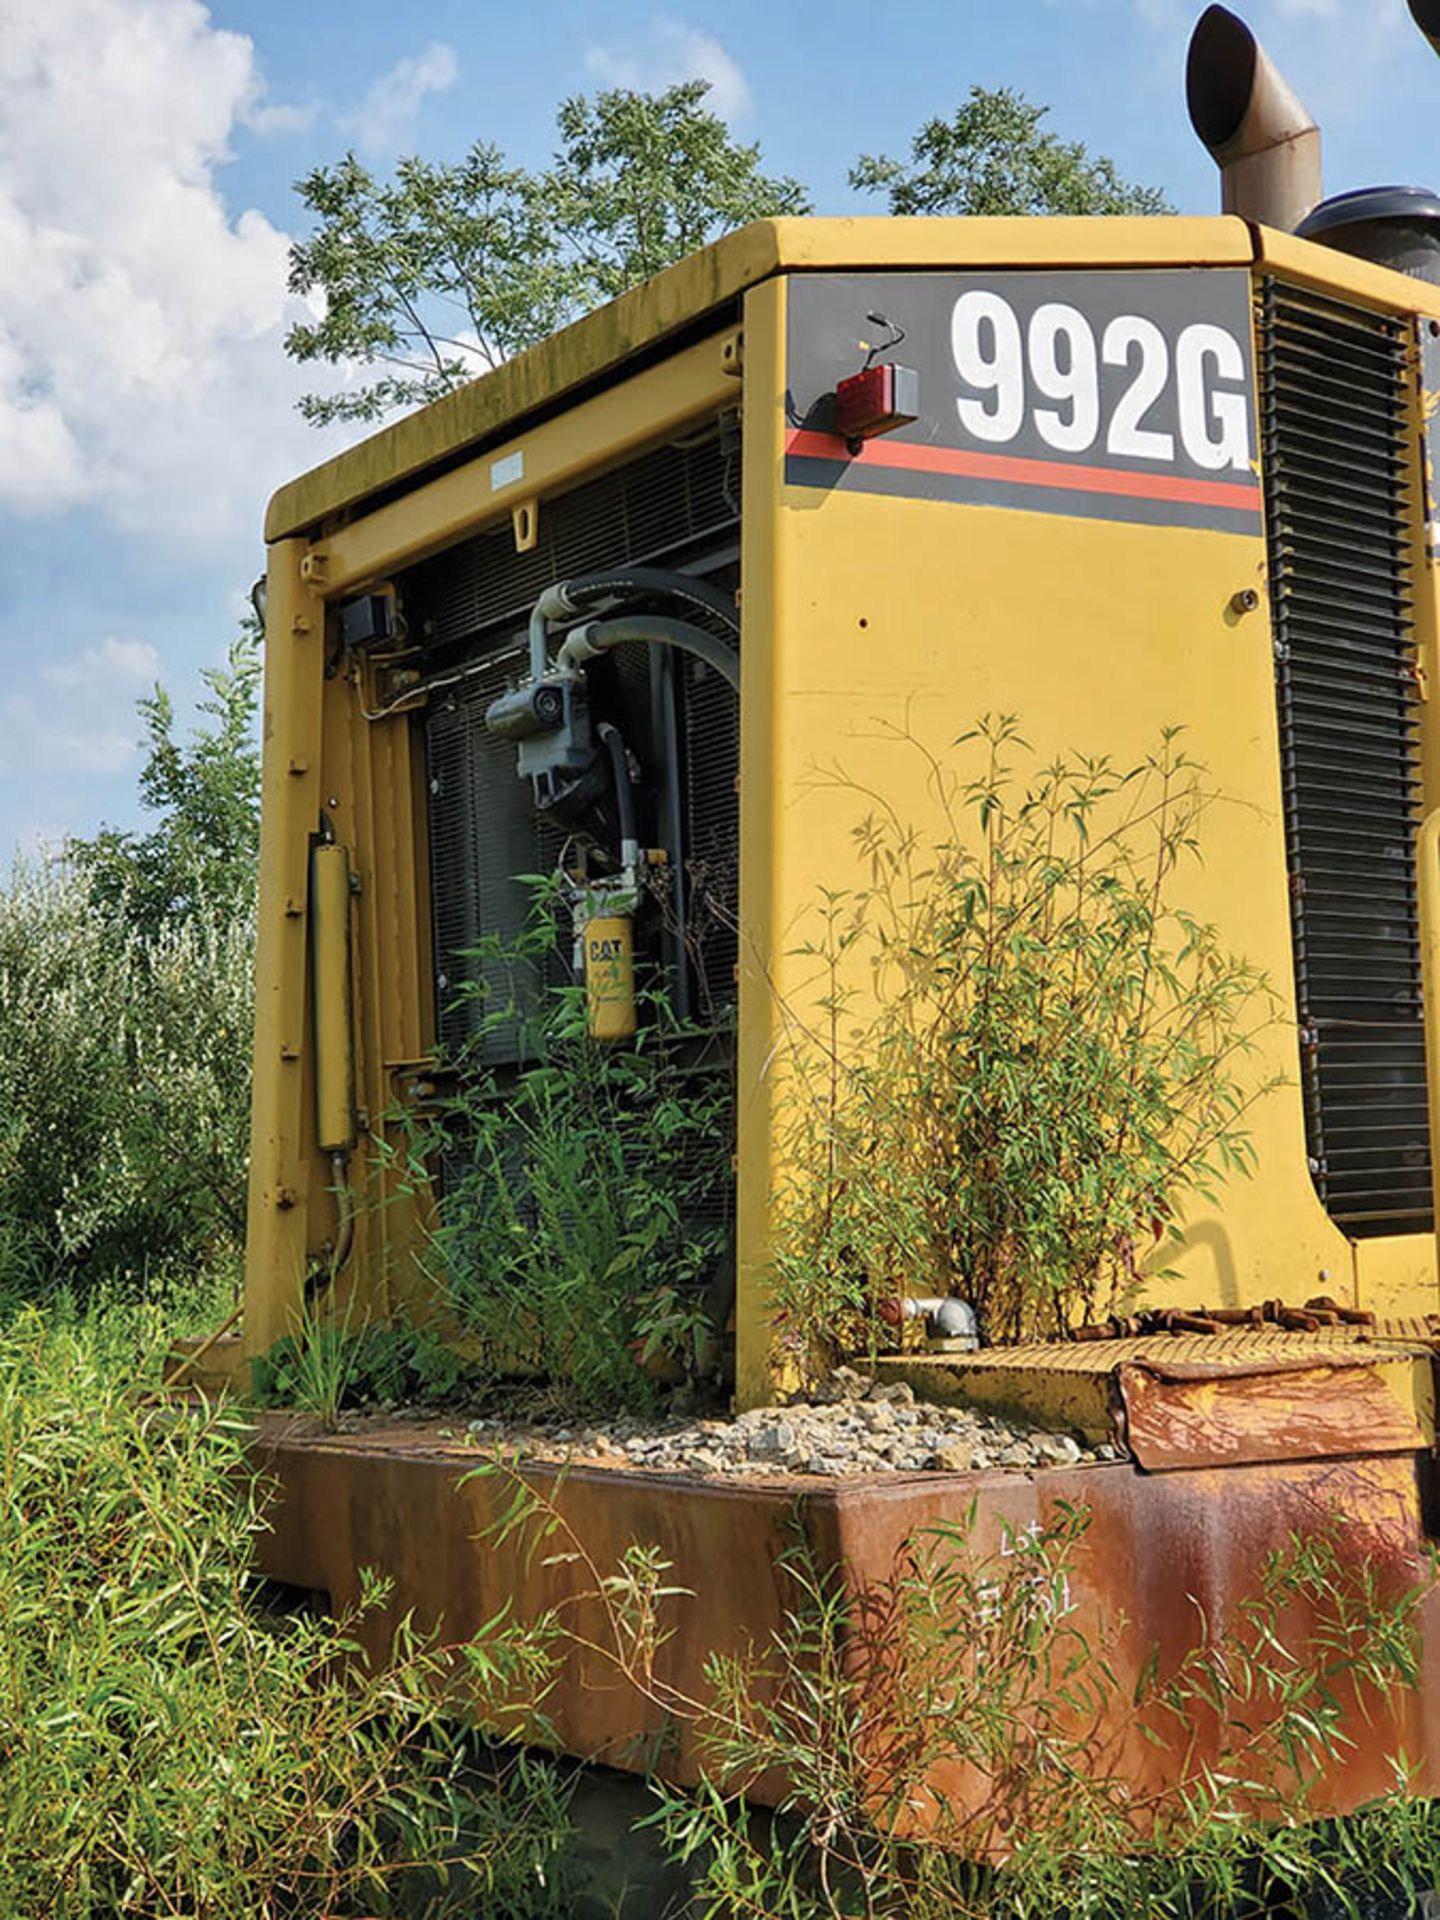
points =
(1098, 637)
(918, 585)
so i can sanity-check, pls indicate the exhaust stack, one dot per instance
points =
(1426, 15)
(1263, 140)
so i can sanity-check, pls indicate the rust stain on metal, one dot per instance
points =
(1082, 1386)
(1162, 1551)
(1189, 1414)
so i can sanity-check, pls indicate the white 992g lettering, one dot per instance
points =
(1085, 394)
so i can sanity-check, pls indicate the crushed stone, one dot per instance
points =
(848, 1425)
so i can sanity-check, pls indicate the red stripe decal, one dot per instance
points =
(1241, 496)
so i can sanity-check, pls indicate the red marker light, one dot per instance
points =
(876, 401)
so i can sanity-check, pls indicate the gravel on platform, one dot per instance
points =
(850, 1425)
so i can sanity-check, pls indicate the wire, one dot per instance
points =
(424, 687)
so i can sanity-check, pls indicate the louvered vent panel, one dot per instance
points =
(1333, 433)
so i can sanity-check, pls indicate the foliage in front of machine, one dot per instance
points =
(173, 1742)
(1023, 1056)
(964, 1740)
(953, 1743)
(582, 1236)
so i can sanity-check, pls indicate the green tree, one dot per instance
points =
(643, 179)
(437, 275)
(201, 857)
(446, 270)
(993, 156)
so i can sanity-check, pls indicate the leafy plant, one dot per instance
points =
(585, 1193)
(125, 1329)
(125, 1015)
(200, 862)
(642, 179)
(330, 1364)
(124, 1086)
(316, 1368)
(1023, 1056)
(174, 1745)
(992, 156)
(448, 269)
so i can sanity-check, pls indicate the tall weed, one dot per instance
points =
(969, 1739)
(956, 1745)
(170, 1745)
(1022, 1056)
(583, 1229)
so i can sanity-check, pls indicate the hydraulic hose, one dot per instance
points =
(624, 792)
(566, 598)
(586, 588)
(322, 1276)
(650, 629)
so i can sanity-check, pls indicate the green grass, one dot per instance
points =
(174, 1744)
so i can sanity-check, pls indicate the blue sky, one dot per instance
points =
(147, 151)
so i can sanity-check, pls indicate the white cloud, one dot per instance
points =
(81, 718)
(141, 367)
(384, 116)
(280, 117)
(45, 738)
(672, 53)
(114, 668)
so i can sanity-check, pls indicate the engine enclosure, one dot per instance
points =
(940, 572)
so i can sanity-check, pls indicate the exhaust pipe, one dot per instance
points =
(1426, 15)
(1263, 140)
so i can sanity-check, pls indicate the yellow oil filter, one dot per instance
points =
(610, 976)
(330, 974)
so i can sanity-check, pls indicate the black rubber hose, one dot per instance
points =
(650, 629)
(624, 791)
(328, 1270)
(684, 587)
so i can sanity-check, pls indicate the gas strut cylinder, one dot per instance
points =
(332, 1020)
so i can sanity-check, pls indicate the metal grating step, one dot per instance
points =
(1333, 443)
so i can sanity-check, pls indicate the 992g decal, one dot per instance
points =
(1112, 395)
(1062, 358)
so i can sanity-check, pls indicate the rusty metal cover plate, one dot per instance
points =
(1237, 1409)
(1163, 1551)
(1209, 1399)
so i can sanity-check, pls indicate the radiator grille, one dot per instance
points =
(468, 607)
(1334, 451)
(659, 504)
(483, 832)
